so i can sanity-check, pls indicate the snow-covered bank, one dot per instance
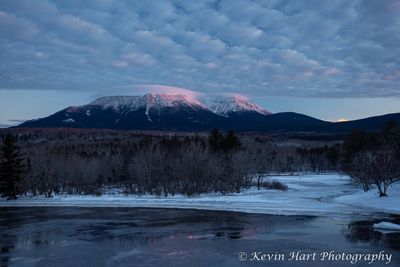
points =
(307, 195)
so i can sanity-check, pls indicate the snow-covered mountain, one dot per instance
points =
(159, 111)
(193, 112)
(218, 104)
(223, 105)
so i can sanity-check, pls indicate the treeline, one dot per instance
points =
(89, 163)
(373, 158)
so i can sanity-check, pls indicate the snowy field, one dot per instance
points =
(328, 194)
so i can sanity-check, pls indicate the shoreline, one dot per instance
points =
(313, 195)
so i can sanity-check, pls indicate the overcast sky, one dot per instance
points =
(329, 59)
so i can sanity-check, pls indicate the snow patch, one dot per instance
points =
(69, 120)
(147, 114)
(387, 226)
(371, 199)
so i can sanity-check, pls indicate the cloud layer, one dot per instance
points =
(260, 48)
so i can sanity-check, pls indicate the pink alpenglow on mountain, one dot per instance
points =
(218, 104)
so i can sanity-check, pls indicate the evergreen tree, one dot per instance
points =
(231, 141)
(216, 140)
(11, 167)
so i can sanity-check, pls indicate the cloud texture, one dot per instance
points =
(260, 48)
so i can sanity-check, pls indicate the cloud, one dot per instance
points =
(141, 89)
(16, 28)
(260, 48)
(10, 123)
(16, 120)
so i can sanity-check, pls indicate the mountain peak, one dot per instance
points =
(170, 100)
(114, 101)
(225, 104)
(218, 104)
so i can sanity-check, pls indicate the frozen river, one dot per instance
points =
(68, 236)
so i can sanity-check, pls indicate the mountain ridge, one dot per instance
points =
(180, 112)
(219, 104)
